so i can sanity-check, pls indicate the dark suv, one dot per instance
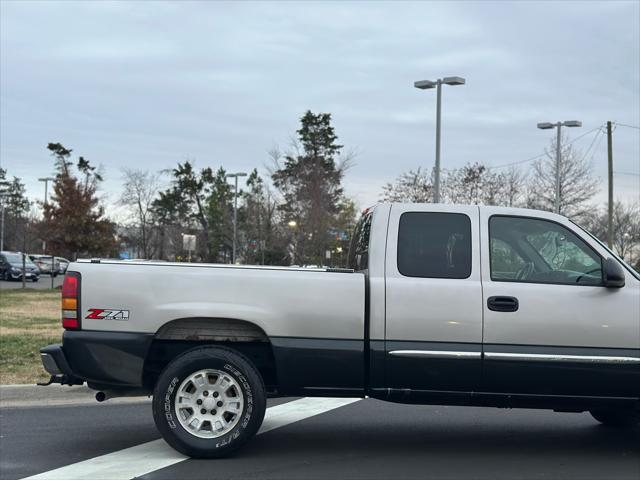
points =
(11, 267)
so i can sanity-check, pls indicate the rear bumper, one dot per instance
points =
(102, 359)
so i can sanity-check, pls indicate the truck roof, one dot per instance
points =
(442, 207)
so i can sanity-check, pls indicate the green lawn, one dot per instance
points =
(29, 320)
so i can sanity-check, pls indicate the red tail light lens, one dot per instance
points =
(71, 301)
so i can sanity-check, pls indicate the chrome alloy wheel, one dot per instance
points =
(209, 403)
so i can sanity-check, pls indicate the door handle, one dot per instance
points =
(503, 304)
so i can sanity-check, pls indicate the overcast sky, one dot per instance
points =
(149, 84)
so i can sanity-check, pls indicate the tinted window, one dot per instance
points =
(434, 245)
(359, 248)
(540, 251)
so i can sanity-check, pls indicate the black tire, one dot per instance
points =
(624, 418)
(230, 362)
(34, 280)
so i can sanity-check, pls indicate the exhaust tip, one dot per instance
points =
(101, 396)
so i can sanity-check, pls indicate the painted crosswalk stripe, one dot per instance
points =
(148, 457)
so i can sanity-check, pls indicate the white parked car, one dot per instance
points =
(461, 305)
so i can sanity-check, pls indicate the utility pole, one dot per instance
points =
(610, 163)
(235, 212)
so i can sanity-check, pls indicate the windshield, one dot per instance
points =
(16, 259)
(632, 271)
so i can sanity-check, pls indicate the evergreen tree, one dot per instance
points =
(310, 184)
(74, 221)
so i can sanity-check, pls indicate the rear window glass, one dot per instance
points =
(434, 245)
(359, 248)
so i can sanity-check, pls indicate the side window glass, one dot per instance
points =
(505, 261)
(540, 251)
(434, 245)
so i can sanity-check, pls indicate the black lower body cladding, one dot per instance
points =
(107, 358)
(319, 366)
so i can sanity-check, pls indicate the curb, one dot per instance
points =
(16, 396)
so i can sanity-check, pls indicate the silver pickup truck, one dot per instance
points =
(460, 305)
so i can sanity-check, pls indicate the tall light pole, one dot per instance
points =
(558, 125)
(46, 181)
(425, 85)
(235, 212)
(3, 194)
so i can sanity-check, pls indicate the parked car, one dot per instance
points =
(63, 264)
(454, 305)
(11, 267)
(44, 263)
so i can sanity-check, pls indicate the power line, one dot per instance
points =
(543, 154)
(593, 153)
(628, 126)
(517, 163)
(627, 173)
(600, 131)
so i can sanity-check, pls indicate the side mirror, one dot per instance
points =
(613, 274)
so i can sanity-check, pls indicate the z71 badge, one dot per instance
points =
(107, 314)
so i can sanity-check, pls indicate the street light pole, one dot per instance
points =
(235, 212)
(3, 195)
(46, 181)
(558, 126)
(425, 85)
(2, 226)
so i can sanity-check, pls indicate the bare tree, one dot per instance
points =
(577, 184)
(140, 188)
(412, 186)
(514, 186)
(626, 226)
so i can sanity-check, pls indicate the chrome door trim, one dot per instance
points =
(434, 354)
(542, 357)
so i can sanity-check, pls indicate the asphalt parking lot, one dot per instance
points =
(364, 439)
(43, 283)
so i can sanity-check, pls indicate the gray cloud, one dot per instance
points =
(148, 84)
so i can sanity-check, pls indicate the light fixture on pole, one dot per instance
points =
(425, 85)
(558, 125)
(235, 212)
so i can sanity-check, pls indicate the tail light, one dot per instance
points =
(71, 301)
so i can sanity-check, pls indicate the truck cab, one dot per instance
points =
(495, 306)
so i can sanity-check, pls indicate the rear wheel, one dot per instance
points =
(209, 402)
(617, 417)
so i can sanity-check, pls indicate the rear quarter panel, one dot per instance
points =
(283, 303)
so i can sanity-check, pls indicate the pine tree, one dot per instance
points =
(310, 184)
(74, 221)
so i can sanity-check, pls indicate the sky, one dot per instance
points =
(147, 84)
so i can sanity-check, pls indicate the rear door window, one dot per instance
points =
(434, 245)
(359, 248)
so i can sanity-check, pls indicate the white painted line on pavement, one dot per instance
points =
(151, 456)
(291, 412)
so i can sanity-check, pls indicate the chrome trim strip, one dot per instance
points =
(434, 354)
(542, 357)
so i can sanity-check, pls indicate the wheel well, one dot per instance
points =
(179, 336)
